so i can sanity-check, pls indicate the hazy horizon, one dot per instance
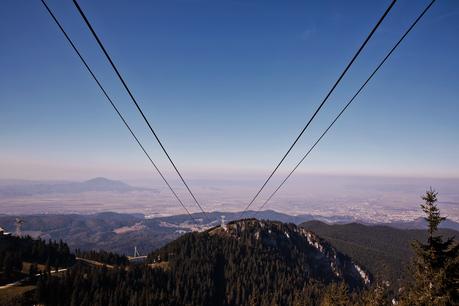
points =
(372, 199)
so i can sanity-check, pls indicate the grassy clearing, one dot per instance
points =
(160, 265)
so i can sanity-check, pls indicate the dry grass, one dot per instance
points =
(160, 265)
(9, 294)
(95, 263)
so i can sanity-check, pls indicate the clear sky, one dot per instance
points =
(228, 85)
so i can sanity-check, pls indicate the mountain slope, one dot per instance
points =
(384, 250)
(108, 231)
(259, 258)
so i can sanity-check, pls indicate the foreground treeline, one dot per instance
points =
(105, 257)
(204, 270)
(16, 250)
(139, 286)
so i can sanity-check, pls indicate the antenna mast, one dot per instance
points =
(136, 252)
(19, 223)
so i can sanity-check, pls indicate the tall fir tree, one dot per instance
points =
(435, 264)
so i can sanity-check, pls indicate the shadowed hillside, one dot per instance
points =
(384, 250)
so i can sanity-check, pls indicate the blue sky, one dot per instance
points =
(228, 85)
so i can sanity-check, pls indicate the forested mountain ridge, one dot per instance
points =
(15, 250)
(251, 246)
(21, 258)
(384, 250)
(293, 241)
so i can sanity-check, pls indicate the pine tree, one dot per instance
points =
(336, 295)
(435, 264)
(376, 296)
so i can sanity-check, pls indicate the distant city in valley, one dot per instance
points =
(329, 198)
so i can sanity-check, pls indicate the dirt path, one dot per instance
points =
(94, 263)
(19, 282)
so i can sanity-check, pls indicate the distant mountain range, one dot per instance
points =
(121, 232)
(31, 188)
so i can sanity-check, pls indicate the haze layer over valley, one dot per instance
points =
(344, 198)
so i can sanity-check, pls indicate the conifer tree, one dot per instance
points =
(436, 263)
(336, 295)
(376, 296)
